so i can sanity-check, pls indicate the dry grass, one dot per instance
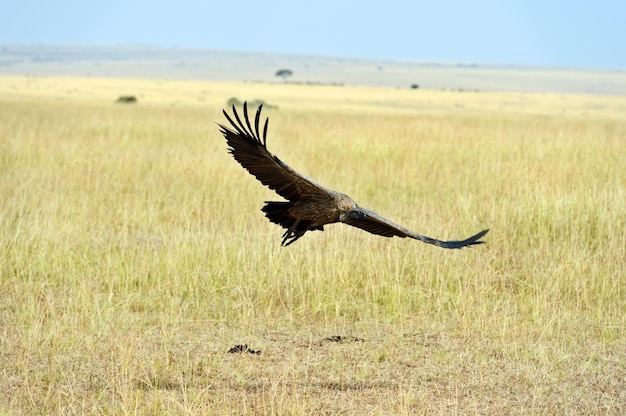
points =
(134, 254)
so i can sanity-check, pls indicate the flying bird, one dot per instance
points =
(308, 206)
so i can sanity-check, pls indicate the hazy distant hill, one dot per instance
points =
(173, 63)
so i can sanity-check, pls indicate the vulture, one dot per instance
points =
(309, 206)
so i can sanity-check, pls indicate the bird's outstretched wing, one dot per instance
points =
(248, 147)
(375, 224)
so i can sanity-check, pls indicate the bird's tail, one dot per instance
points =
(278, 213)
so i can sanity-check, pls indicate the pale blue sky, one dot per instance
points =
(562, 33)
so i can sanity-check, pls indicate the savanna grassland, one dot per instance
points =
(133, 253)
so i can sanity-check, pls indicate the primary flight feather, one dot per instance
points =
(308, 206)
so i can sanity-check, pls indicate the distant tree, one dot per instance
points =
(415, 86)
(234, 101)
(284, 74)
(126, 99)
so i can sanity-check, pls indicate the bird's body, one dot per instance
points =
(309, 205)
(311, 213)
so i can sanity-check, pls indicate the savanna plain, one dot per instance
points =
(134, 255)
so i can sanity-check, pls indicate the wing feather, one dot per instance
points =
(257, 117)
(248, 148)
(375, 224)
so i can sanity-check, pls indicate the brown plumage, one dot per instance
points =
(309, 205)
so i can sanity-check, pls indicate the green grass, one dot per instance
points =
(134, 253)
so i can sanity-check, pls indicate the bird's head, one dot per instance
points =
(353, 214)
